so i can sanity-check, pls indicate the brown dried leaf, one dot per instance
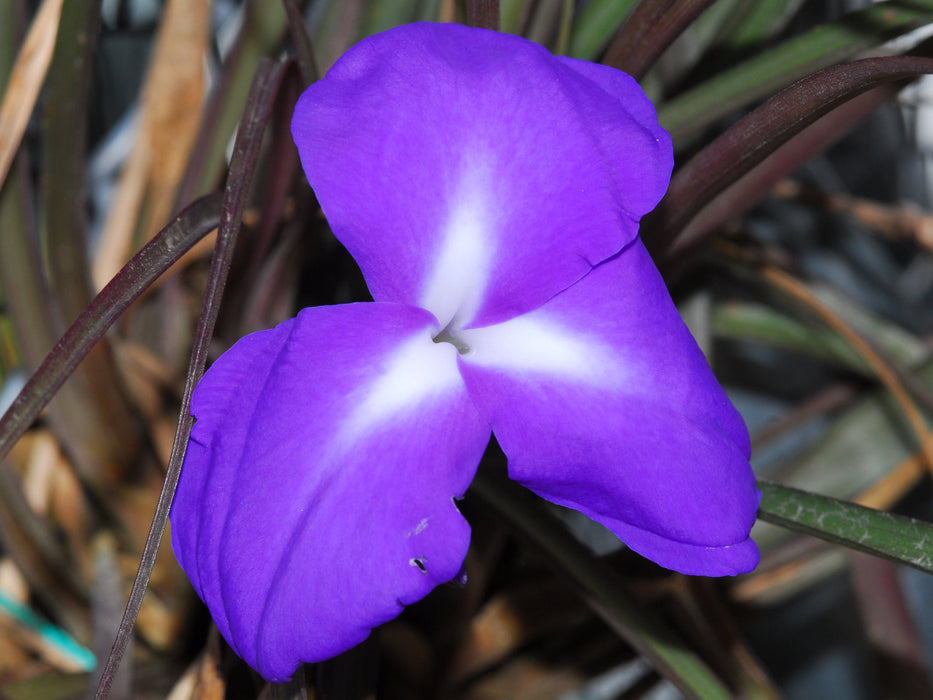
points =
(201, 681)
(27, 77)
(510, 620)
(526, 678)
(12, 583)
(170, 115)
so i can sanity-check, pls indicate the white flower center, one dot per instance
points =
(462, 261)
(534, 345)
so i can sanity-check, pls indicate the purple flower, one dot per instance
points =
(491, 194)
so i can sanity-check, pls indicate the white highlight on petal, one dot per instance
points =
(529, 345)
(461, 268)
(418, 370)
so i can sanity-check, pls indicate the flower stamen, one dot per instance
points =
(445, 336)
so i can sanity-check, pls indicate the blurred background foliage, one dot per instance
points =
(797, 242)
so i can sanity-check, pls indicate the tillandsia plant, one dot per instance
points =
(488, 382)
(491, 194)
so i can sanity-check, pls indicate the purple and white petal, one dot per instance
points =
(317, 495)
(603, 402)
(474, 174)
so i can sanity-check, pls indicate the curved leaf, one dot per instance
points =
(759, 21)
(648, 32)
(760, 133)
(698, 108)
(266, 84)
(597, 23)
(158, 255)
(745, 192)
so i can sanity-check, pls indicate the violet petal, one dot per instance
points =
(316, 497)
(603, 402)
(474, 174)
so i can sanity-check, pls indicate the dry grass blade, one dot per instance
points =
(171, 113)
(600, 587)
(882, 494)
(702, 615)
(39, 555)
(892, 488)
(510, 621)
(27, 77)
(260, 34)
(202, 680)
(894, 221)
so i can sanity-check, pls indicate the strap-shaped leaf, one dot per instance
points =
(186, 229)
(594, 28)
(648, 32)
(701, 106)
(761, 133)
(895, 537)
(757, 22)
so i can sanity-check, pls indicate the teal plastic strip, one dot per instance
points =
(50, 634)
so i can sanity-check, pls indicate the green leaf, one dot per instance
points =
(304, 51)
(429, 11)
(565, 27)
(598, 22)
(863, 444)
(895, 537)
(759, 21)
(103, 429)
(48, 687)
(512, 15)
(712, 23)
(385, 15)
(62, 205)
(755, 322)
(766, 73)
(186, 229)
(549, 24)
